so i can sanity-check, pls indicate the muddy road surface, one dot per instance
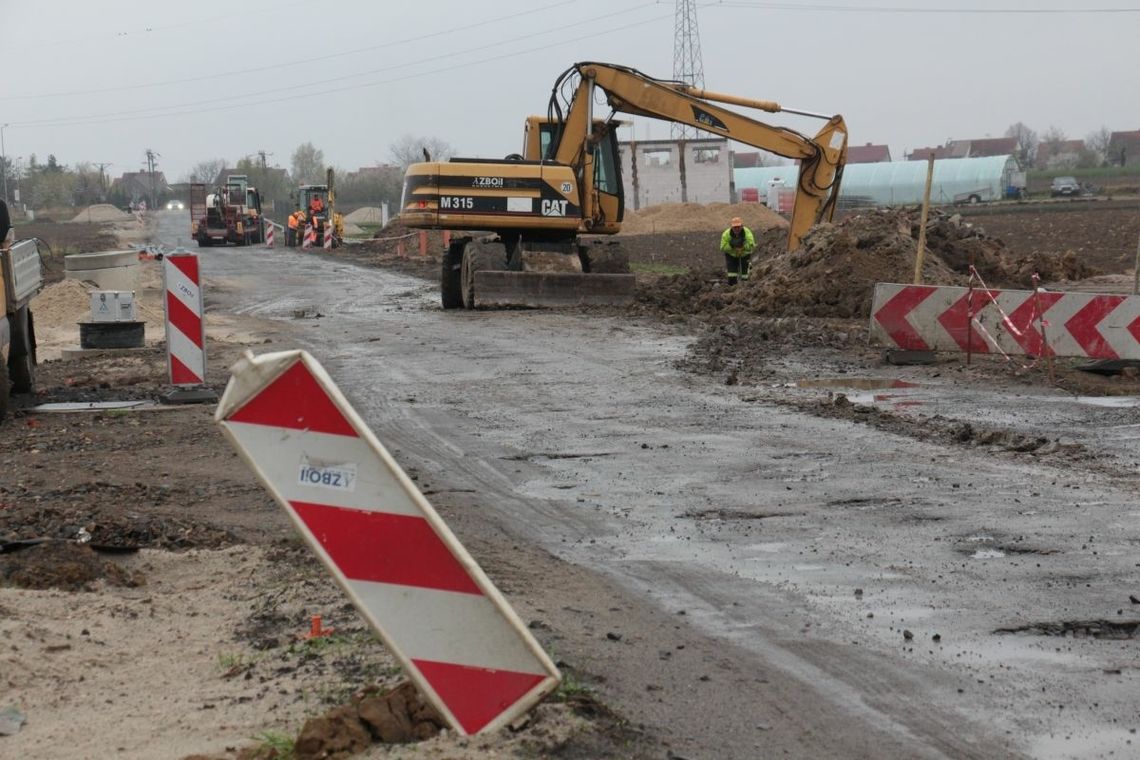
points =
(779, 576)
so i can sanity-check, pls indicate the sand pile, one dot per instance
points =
(834, 272)
(688, 217)
(101, 212)
(365, 215)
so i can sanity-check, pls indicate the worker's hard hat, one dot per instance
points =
(737, 221)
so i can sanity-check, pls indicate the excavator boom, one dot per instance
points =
(567, 182)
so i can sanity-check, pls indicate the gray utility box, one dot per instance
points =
(113, 306)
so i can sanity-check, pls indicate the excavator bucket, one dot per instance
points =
(497, 289)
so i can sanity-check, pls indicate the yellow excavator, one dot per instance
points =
(525, 214)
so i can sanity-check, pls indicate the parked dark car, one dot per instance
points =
(1065, 187)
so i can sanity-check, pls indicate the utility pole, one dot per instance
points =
(151, 165)
(103, 179)
(687, 64)
(262, 155)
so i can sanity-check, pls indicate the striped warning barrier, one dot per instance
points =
(1029, 322)
(386, 546)
(328, 241)
(310, 237)
(269, 236)
(185, 328)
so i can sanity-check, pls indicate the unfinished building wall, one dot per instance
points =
(677, 171)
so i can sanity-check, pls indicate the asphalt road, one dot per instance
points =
(839, 591)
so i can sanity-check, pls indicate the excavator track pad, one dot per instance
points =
(499, 289)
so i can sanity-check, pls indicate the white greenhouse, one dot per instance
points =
(956, 180)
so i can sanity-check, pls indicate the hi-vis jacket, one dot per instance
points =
(745, 244)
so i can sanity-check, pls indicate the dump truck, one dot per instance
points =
(522, 219)
(21, 277)
(229, 213)
(307, 195)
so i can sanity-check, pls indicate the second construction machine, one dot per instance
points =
(524, 215)
(319, 216)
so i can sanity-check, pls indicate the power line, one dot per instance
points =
(150, 113)
(299, 62)
(227, 18)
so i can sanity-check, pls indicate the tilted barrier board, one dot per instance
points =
(386, 546)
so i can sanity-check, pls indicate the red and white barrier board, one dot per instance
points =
(185, 328)
(327, 242)
(269, 235)
(386, 546)
(1034, 323)
(310, 237)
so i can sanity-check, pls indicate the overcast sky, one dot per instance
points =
(103, 81)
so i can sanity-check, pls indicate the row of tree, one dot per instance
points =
(53, 184)
(1052, 150)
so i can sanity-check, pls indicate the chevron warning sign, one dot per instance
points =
(185, 328)
(1034, 323)
(386, 546)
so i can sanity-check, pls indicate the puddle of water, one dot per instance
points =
(1109, 402)
(860, 383)
(1082, 743)
(92, 406)
(882, 398)
(988, 554)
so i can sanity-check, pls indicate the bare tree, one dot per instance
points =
(1049, 151)
(1098, 143)
(1026, 142)
(308, 165)
(409, 149)
(207, 171)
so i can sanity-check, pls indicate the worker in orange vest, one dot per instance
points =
(291, 231)
(316, 205)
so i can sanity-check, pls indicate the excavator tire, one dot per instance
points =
(478, 256)
(5, 390)
(451, 277)
(22, 356)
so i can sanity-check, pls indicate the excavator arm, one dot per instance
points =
(629, 91)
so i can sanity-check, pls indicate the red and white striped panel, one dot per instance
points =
(185, 328)
(310, 237)
(328, 237)
(268, 235)
(438, 613)
(930, 318)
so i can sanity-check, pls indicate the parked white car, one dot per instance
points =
(174, 206)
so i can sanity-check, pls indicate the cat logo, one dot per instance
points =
(551, 207)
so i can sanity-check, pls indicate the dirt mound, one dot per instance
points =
(64, 565)
(101, 212)
(709, 217)
(834, 272)
(62, 304)
(365, 215)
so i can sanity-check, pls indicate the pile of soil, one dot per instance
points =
(833, 273)
(365, 215)
(101, 212)
(704, 217)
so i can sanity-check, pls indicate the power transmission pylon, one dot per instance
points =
(687, 64)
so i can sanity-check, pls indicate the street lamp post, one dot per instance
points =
(4, 156)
